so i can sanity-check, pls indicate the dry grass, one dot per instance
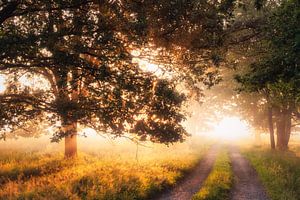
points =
(107, 174)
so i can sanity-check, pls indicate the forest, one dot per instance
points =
(150, 99)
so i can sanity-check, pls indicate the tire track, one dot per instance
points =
(192, 182)
(247, 185)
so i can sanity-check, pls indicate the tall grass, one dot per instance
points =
(278, 171)
(109, 174)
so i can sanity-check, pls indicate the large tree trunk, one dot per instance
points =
(280, 129)
(71, 140)
(288, 127)
(283, 126)
(67, 94)
(271, 127)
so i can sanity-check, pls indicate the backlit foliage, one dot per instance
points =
(82, 49)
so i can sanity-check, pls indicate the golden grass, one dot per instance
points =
(104, 175)
(219, 182)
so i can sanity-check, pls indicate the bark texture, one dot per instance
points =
(71, 141)
(271, 127)
(283, 126)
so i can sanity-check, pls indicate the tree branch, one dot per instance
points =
(8, 10)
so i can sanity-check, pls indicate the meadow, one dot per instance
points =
(122, 172)
(278, 171)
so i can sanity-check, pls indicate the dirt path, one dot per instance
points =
(247, 185)
(192, 183)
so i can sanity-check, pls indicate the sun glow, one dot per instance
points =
(2, 84)
(89, 132)
(146, 64)
(231, 129)
(35, 82)
(148, 67)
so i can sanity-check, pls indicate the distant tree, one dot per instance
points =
(82, 49)
(275, 74)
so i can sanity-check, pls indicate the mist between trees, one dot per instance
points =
(67, 65)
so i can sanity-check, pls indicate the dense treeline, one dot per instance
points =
(274, 74)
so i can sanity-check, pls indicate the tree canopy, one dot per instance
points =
(78, 63)
(83, 51)
(275, 73)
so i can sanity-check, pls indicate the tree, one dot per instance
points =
(82, 49)
(276, 73)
